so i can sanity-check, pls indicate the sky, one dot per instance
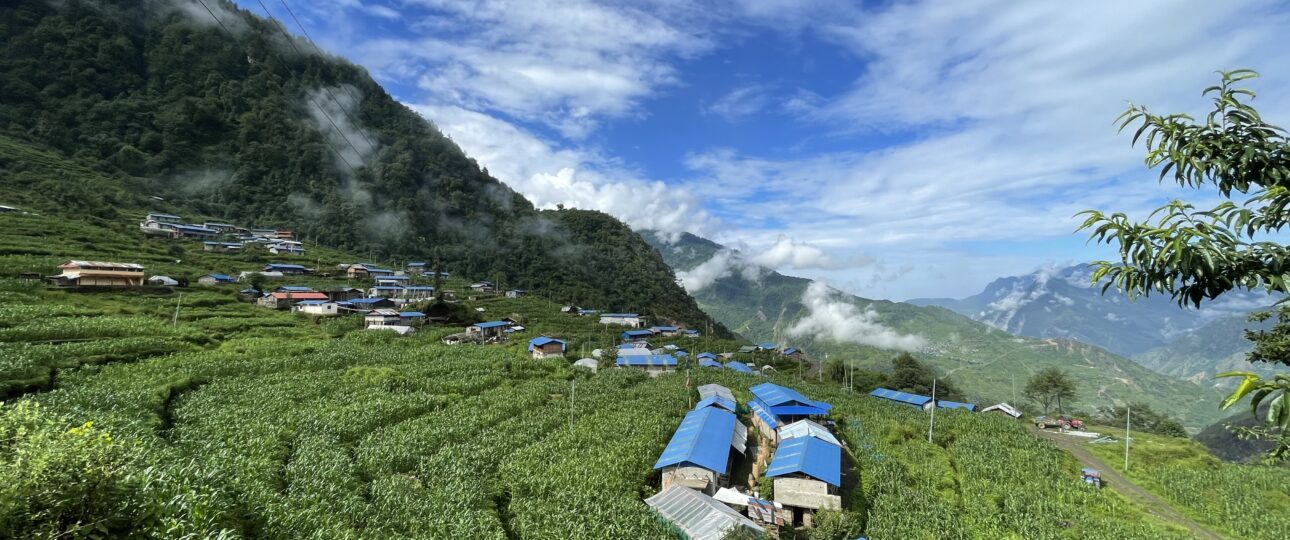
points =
(893, 149)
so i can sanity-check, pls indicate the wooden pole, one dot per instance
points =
(932, 421)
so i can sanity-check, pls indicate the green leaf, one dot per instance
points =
(1250, 383)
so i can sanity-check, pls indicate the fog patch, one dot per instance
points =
(832, 318)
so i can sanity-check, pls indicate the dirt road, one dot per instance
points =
(1154, 505)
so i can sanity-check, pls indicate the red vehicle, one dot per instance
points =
(1062, 422)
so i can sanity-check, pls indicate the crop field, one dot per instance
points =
(189, 413)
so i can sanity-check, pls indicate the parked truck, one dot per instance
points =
(1060, 422)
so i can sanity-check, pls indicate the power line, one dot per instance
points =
(346, 89)
(292, 42)
(320, 109)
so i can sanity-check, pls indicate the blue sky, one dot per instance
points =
(895, 150)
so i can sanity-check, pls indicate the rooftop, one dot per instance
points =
(699, 516)
(703, 440)
(664, 360)
(810, 456)
(901, 397)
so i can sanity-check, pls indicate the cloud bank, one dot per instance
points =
(834, 319)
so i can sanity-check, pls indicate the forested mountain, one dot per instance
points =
(986, 362)
(1199, 354)
(1060, 303)
(224, 116)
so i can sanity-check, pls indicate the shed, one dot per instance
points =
(1003, 408)
(697, 515)
(690, 333)
(652, 363)
(488, 329)
(807, 473)
(382, 317)
(716, 401)
(623, 319)
(766, 346)
(665, 331)
(317, 307)
(514, 293)
(786, 404)
(286, 269)
(712, 356)
(412, 318)
(903, 398)
(589, 363)
(636, 336)
(165, 281)
(739, 366)
(945, 404)
(807, 428)
(709, 390)
(366, 304)
(215, 279)
(699, 452)
(547, 347)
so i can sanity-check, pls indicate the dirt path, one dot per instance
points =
(1113, 479)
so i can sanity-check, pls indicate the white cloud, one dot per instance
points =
(832, 318)
(739, 103)
(787, 253)
(550, 176)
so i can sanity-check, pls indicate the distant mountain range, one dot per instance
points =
(764, 305)
(1188, 343)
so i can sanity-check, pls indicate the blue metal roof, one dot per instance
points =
(901, 397)
(665, 328)
(707, 355)
(289, 266)
(156, 215)
(738, 366)
(310, 302)
(194, 228)
(393, 278)
(681, 354)
(387, 288)
(691, 332)
(664, 360)
(543, 340)
(716, 401)
(702, 439)
(637, 333)
(810, 456)
(790, 350)
(416, 264)
(632, 345)
(783, 401)
(619, 315)
(295, 288)
(767, 345)
(955, 405)
(765, 415)
(367, 300)
(491, 324)
(221, 277)
(418, 288)
(708, 362)
(411, 314)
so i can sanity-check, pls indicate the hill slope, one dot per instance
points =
(985, 361)
(104, 104)
(1197, 355)
(1060, 303)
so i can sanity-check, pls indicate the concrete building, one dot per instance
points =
(320, 308)
(99, 274)
(701, 450)
(808, 475)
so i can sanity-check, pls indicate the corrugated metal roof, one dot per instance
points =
(765, 415)
(661, 360)
(634, 352)
(901, 397)
(766, 345)
(747, 349)
(807, 428)
(619, 315)
(716, 401)
(708, 390)
(277, 265)
(299, 296)
(295, 288)
(708, 362)
(943, 404)
(786, 401)
(664, 328)
(220, 277)
(411, 314)
(707, 355)
(104, 264)
(638, 333)
(738, 366)
(490, 324)
(699, 516)
(703, 439)
(311, 303)
(1003, 408)
(810, 456)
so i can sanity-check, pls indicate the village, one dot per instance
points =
(708, 474)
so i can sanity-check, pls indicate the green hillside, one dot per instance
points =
(106, 104)
(983, 360)
(1211, 349)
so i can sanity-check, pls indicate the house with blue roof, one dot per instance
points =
(322, 308)
(416, 267)
(709, 355)
(385, 291)
(179, 230)
(782, 405)
(807, 472)
(216, 279)
(665, 331)
(708, 362)
(653, 364)
(766, 346)
(293, 288)
(365, 304)
(701, 450)
(903, 398)
(793, 353)
(412, 318)
(636, 336)
(489, 329)
(740, 367)
(392, 280)
(690, 333)
(945, 404)
(547, 347)
(286, 269)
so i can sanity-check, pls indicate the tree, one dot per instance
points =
(1197, 255)
(1049, 386)
(910, 375)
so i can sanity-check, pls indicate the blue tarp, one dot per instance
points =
(221, 277)
(295, 288)
(783, 401)
(663, 360)
(411, 314)
(810, 456)
(913, 400)
(703, 440)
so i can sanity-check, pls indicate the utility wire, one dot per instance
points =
(320, 52)
(292, 42)
(316, 105)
